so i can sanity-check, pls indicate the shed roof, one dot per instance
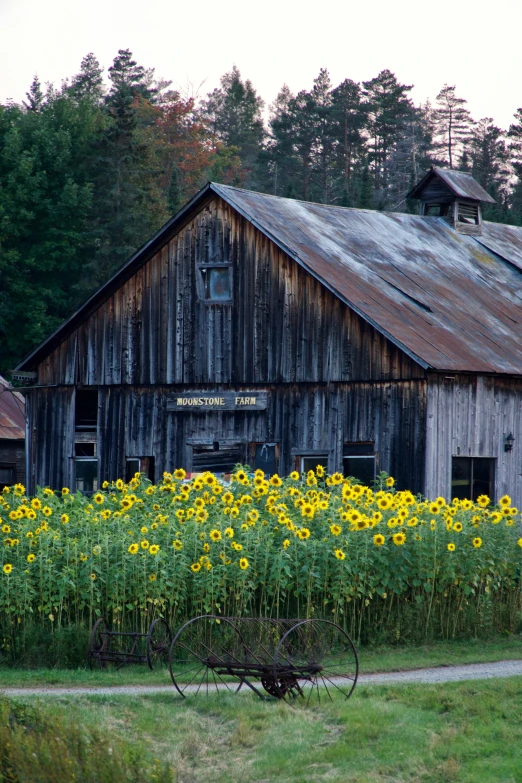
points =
(460, 183)
(451, 302)
(12, 413)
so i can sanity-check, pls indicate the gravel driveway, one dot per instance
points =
(474, 671)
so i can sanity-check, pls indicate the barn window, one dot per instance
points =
(86, 410)
(359, 462)
(143, 465)
(306, 462)
(7, 474)
(217, 457)
(214, 283)
(471, 477)
(265, 457)
(86, 475)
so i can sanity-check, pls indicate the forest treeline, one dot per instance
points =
(90, 170)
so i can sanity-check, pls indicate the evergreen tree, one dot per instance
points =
(88, 83)
(233, 113)
(515, 158)
(348, 120)
(388, 107)
(453, 126)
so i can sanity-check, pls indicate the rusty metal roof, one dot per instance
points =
(12, 413)
(451, 302)
(460, 183)
(443, 297)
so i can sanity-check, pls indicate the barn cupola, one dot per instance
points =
(454, 196)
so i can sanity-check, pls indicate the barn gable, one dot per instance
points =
(450, 302)
(281, 324)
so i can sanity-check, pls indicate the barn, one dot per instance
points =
(285, 334)
(12, 435)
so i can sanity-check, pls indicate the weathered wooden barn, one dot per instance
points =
(283, 334)
(12, 436)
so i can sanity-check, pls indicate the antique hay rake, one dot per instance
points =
(287, 658)
(119, 647)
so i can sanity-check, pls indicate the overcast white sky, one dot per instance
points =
(474, 45)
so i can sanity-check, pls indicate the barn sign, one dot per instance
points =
(222, 401)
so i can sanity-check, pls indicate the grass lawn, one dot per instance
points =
(378, 659)
(448, 733)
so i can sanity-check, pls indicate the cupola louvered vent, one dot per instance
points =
(454, 196)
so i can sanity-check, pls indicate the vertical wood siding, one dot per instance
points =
(283, 326)
(331, 377)
(470, 416)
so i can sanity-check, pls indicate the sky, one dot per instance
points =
(473, 45)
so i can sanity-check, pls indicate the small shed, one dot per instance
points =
(285, 334)
(12, 435)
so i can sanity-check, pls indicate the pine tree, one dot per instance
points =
(88, 83)
(233, 113)
(35, 96)
(388, 107)
(453, 126)
(348, 119)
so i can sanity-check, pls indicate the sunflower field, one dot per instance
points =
(386, 565)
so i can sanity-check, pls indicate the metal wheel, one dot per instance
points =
(159, 639)
(201, 654)
(98, 642)
(315, 659)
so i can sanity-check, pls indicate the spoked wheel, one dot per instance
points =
(315, 659)
(199, 656)
(98, 642)
(159, 639)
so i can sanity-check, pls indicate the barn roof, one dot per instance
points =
(451, 302)
(460, 183)
(12, 413)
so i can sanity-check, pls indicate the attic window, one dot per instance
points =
(468, 213)
(214, 283)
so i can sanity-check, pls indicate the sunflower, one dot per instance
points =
(65, 519)
(65, 491)
(98, 498)
(519, 542)
(504, 501)
(46, 511)
(383, 503)
(339, 554)
(294, 475)
(399, 539)
(8, 568)
(152, 577)
(275, 481)
(93, 577)
(144, 544)
(390, 481)
(6, 529)
(144, 530)
(195, 567)
(336, 530)
(179, 474)
(379, 540)
(36, 503)
(477, 542)
(303, 533)
(243, 563)
(451, 547)
(96, 550)
(154, 549)
(229, 532)
(177, 544)
(483, 501)
(286, 543)
(133, 549)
